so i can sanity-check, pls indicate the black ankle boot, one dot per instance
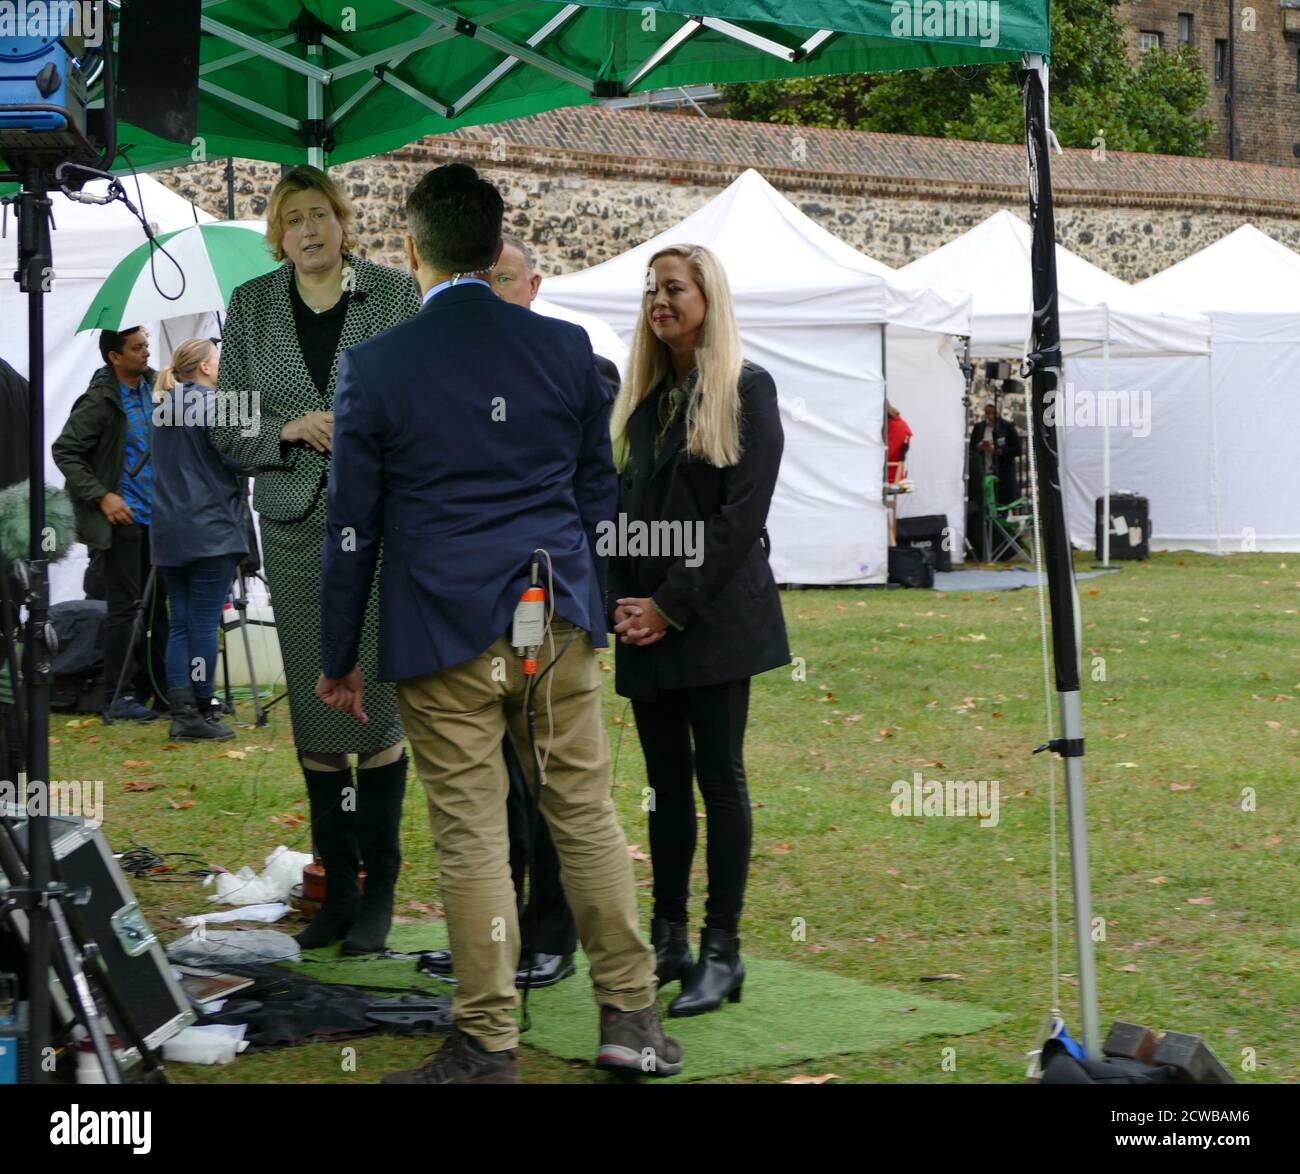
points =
(334, 836)
(187, 723)
(672, 943)
(718, 975)
(380, 792)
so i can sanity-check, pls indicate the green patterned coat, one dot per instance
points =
(263, 376)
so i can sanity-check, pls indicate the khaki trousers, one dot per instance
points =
(456, 719)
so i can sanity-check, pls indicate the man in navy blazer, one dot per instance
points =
(465, 440)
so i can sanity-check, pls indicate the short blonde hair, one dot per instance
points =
(304, 178)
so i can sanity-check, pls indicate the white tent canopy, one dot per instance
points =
(1249, 286)
(87, 241)
(991, 263)
(1137, 373)
(813, 312)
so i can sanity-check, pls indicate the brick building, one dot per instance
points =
(1250, 50)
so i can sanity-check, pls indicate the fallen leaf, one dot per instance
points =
(231, 813)
(803, 1079)
(1158, 880)
(634, 850)
(173, 745)
(133, 763)
(1273, 841)
(142, 786)
(1129, 969)
(1200, 900)
(233, 754)
(1130, 765)
(781, 849)
(942, 977)
(182, 805)
(1181, 786)
(421, 907)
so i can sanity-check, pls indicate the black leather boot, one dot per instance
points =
(672, 943)
(334, 836)
(718, 975)
(380, 791)
(187, 724)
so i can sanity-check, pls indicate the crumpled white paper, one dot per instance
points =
(283, 870)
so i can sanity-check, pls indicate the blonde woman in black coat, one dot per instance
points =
(698, 441)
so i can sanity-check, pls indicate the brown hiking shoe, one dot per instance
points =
(461, 1061)
(634, 1041)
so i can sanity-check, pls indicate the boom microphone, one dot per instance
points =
(15, 523)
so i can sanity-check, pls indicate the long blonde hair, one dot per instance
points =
(713, 412)
(186, 360)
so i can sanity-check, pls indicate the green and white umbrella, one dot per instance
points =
(214, 258)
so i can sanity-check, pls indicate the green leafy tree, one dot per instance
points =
(1152, 107)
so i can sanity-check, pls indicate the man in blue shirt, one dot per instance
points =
(104, 455)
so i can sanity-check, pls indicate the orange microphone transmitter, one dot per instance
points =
(529, 627)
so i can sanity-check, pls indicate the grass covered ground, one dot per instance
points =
(1191, 711)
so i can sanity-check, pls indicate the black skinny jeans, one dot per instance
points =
(713, 717)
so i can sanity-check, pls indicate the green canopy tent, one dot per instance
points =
(288, 80)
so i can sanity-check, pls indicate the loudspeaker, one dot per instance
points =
(926, 532)
(112, 918)
(912, 566)
(158, 67)
(1130, 526)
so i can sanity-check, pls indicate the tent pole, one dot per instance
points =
(1045, 365)
(1105, 450)
(1214, 453)
(315, 103)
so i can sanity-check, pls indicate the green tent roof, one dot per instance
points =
(384, 73)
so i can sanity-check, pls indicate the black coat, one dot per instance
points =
(1006, 441)
(728, 604)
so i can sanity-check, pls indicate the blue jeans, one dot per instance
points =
(196, 592)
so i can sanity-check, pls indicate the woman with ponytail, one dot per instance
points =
(698, 440)
(198, 533)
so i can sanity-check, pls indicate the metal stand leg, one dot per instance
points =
(136, 621)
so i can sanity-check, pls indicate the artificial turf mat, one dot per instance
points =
(789, 1013)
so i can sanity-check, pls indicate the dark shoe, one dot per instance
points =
(187, 724)
(461, 1061)
(634, 1041)
(380, 792)
(672, 943)
(718, 975)
(128, 709)
(334, 835)
(210, 711)
(547, 970)
(436, 962)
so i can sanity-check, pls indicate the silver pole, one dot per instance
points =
(1071, 728)
(315, 104)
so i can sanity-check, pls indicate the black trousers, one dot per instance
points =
(689, 734)
(125, 567)
(555, 931)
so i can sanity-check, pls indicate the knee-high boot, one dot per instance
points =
(380, 791)
(334, 835)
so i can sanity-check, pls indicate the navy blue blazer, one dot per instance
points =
(464, 438)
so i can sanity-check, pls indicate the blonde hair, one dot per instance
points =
(186, 360)
(713, 411)
(304, 178)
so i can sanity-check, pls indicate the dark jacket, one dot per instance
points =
(464, 438)
(15, 412)
(728, 605)
(262, 368)
(90, 452)
(1006, 442)
(198, 493)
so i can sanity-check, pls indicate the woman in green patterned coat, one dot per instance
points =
(284, 333)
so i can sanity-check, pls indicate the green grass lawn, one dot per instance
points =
(1193, 792)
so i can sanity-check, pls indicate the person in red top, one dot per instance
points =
(898, 436)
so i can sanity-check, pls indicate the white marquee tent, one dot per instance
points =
(1108, 329)
(814, 312)
(1249, 286)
